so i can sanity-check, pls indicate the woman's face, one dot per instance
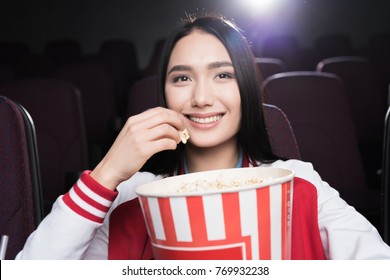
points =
(201, 85)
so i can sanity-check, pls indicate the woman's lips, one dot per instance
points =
(205, 119)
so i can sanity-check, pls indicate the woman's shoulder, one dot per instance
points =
(308, 176)
(302, 169)
(293, 164)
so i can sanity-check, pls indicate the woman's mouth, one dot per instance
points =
(205, 120)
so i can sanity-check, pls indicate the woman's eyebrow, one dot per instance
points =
(219, 64)
(179, 68)
(212, 65)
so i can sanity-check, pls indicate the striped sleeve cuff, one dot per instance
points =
(89, 199)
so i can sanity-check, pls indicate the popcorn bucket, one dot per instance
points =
(240, 213)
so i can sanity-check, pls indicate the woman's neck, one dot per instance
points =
(203, 159)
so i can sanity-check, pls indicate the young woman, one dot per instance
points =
(209, 86)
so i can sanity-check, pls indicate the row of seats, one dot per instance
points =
(285, 47)
(368, 104)
(319, 112)
(100, 79)
(117, 58)
(55, 106)
(66, 51)
(365, 74)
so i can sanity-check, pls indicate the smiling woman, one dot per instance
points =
(209, 84)
(202, 87)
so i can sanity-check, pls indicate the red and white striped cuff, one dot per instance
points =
(89, 199)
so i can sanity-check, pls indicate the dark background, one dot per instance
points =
(144, 21)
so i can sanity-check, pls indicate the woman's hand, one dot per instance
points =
(142, 136)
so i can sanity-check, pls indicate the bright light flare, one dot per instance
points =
(261, 6)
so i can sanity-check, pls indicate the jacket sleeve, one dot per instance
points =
(70, 228)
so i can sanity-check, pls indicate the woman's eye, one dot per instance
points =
(181, 79)
(225, 76)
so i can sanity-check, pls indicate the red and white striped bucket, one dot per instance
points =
(246, 222)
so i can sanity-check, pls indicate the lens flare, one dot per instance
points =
(261, 6)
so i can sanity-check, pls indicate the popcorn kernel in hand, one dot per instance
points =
(184, 136)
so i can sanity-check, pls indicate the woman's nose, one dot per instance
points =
(202, 95)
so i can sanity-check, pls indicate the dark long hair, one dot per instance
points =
(252, 136)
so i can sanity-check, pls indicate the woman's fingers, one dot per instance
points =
(164, 131)
(156, 116)
(141, 137)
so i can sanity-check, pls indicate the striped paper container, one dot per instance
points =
(252, 221)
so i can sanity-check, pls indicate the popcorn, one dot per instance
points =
(219, 183)
(184, 136)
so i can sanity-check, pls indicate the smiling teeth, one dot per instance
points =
(205, 120)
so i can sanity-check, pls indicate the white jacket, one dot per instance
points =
(78, 225)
